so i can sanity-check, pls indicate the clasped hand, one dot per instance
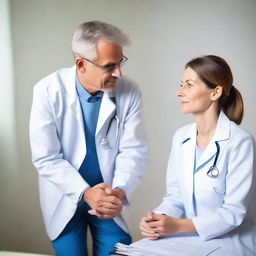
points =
(154, 225)
(106, 203)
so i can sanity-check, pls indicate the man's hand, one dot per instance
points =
(106, 203)
(118, 192)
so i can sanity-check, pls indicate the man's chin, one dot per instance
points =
(109, 87)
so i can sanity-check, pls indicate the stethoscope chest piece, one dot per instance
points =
(213, 172)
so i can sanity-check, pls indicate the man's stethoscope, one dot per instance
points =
(213, 171)
(107, 142)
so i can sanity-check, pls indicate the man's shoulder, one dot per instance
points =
(55, 79)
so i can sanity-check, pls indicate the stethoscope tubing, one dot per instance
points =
(213, 171)
(105, 141)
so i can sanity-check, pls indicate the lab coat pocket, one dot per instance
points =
(209, 197)
(210, 191)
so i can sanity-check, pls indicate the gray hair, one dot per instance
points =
(86, 34)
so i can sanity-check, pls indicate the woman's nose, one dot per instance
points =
(180, 92)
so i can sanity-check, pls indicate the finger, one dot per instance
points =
(149, 215)
(101, 216)
(153, 224)
(92, 212)
(110, 205)
(146, 230)
(101, 185)
(145, 225)
(111, 199)
(108, 190)
(107, 211)
(159, 230)
(150, 236)
(157, 216)
(144, 219)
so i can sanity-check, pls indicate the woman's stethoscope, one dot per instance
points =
(107, 142)
(213, 171)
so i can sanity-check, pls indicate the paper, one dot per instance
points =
(174, 245)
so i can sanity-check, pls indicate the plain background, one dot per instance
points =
(35, 40)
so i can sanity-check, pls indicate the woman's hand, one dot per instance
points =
(154, 225)
(145, 229)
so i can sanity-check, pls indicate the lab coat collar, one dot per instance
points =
(108, 106)
(222, 133)
(222, 130)
(71, 82)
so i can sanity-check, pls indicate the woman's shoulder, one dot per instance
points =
(185, 132)
(239, 133)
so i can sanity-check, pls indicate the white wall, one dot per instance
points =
(165, 34)
(9, 174)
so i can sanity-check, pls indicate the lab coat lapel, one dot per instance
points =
(222, 133)
(207, 155)
(73, 98)
(108, 107)
(188, 147)
(73, 104)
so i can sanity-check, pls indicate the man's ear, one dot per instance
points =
(80, 65)
(217, 92)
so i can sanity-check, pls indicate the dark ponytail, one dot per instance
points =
(233, 105)
(214, 71)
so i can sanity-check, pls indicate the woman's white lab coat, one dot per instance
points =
(58, 145)
(222, 206)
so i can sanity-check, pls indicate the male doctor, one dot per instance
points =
(88, 144)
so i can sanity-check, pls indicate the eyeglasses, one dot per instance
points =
(110, 68)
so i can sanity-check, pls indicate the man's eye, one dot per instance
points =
(109, 67)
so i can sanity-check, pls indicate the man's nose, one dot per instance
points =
(117, 72)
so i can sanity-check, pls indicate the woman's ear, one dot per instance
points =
(217, 92)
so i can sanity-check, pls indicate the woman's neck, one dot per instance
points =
(206, 125)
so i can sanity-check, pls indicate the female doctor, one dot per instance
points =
(210, 170)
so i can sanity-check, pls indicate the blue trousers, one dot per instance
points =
(73, 239)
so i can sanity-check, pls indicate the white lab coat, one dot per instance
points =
(223, 206)
(58, 145)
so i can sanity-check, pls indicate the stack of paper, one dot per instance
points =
(174, 245)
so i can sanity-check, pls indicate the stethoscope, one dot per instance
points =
(106, 142)
(213, 171)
